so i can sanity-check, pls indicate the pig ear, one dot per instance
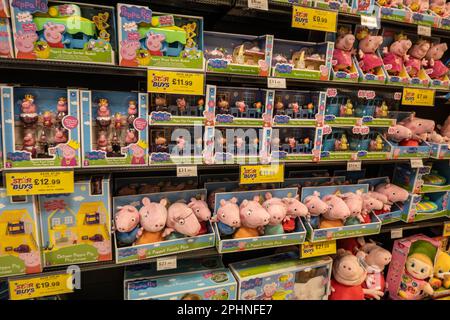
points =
(327, 197)
(297, 197)
(234, 200)
(361, 254)
(146, 201)
(60, 27)
(223, 202)
(161, 37)
(287, 200)
(163, 201)
(316, 193)
(307, 199)
(245, 202)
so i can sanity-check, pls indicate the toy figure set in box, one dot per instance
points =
(440, 282)
(114, 128)
(240, 54)
(159, 40)
(422, 12)
(43, 126)
(6, 46)
(296, 144)
(76, 227)
(63, 31)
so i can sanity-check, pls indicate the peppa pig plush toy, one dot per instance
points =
(420, 128)
(392, 192)
(395, 57)
(152, 217)
(277, 210)
(181, 221)
(368, 45)
(253, 218)
(227, 217)
(202, 213)
(294, 209)
(126, 223)
(417, 59)
(337, 212)
(354, 202)
(436, 69)
(343, 51)
(399, 133)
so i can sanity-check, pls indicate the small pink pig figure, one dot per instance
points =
(102, 142)
(395, 57)
(315, 205)
(29, 144)
(277, 210)
(128, 51)
(154, 43)
(240, 105)
(337, 209)
(343, 51)
(126, 223)
(53, 34)
(68, 156)
(182, 220)
(137, 154)
(60, 136)
(131, 137)
(417, 59)
(392, 192)
(152, 217)
(24, 43)
(61, 109)
(202, 213)
(369, 60)
(28, 114)
(437, 69)
(227, 217)
(253, 217)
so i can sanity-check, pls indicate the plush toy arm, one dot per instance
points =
(167, 232)
(361, 54)
(139, 233)
(373, 293)
(428, 289)
(385, 50)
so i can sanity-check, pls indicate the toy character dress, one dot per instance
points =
(343, 292)
(414, 66)
(439, 70)
(394, 61)
(343, 59)
(370, 61)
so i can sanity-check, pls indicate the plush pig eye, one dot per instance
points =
(223, 215)
(249, 212)
(312, 207)
(181, 221)
(132, 219)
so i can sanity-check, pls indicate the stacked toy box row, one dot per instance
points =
(6, 45)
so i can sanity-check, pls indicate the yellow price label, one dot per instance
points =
(418, 97)
(159, 81)
(314, 19)
(42, 182)
(311, 249)
(446, 230)
(261, 173)
(42, 286)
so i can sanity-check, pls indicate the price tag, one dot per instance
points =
(166, 263)
(354, 166)
(416, 163)
(42, 182)
(258, 4)
(314, 19)
(41, 286)
(418, 97)
(276, 83)
(424, 31)
(160, 81)
(370, 22)
(270, 173)
(186, 171)
(396, 233)
(446, 230)
(315, 249)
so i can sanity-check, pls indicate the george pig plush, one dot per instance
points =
(395, 57)
(354, 202)
(436, 69)
(181, 221)
(152, 217)
(202, 213)
(126, 222)
(277, 210)
(227, 217)
(417, 59)
(392, 192)
(343, 51)
(369, 60)
(253, 218)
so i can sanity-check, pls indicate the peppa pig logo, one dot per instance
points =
(140, 124)
(70, 122)
(283, 68)
(31, 5)
(18, 156)
(224, 118)
(395, 79)
(252, 283)
(330, 117)
(334, 5)
(230, 244)
(159, 157)
(136, 14)
(142, 285)
(362, 153)
(342, 75)
(415, 81)
(156, 116)
(95, 155)
(367, 119)
(417, 16)
(218, 63)
(127, 252)
(370, 76)
(387, 11)
(325, 154)
(281, 119)
(445, 22)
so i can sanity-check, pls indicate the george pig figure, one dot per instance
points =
(277, 210)
(126, 222)
(227, 217)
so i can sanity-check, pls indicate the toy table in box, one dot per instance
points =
(159, 40)
(228, 242)
(218, 284)
(429, 206)
(238, 54)
(283, 277)
(76, 227)
(430, 178)
(42, 126)
(171, 244)
(63, 31)
(19, 249)
(302, 60)
(439, 150)
(6, 46)
(341, 232)
(115, 128)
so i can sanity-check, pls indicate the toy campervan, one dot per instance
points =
(43, 126)
(6, 47)
(76, 227)
(63, 31)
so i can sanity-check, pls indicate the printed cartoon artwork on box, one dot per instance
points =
(76, 227)
(6, 46)
(43, 126)
(4, 9)
(63, 31)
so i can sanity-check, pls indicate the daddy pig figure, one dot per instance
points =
(343, 51)
(395, 57)
(436, 69)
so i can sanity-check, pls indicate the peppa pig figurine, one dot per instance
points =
(202, 212)
(277, 210)
(343, 51)
(417, 59)
(103, 114)
(127, 225)
(102, 142)
(154, 43)
(132, 113)
(395, 57)
(294, 209)
(227, 217)
(181, 105)
(61, 110)
(53, 34)
(240, 105)
(152, 217)
(181, 221)
(436, 69)
(60, 135)
(368, 45)
(28, 114)
(253, 217)
(131, 136)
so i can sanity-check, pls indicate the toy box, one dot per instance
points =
(6, 47)
(316, 234)
(429, 206)
(218, 284)
(239, 54)
(439, 150)
(444, 23)
(43, 126)
(396, 73)
(302, 60)
(162, 244)
(283, 277)
(428, 18)
(343, 62)
(19, 250)
(433, 177)
(75, 227)
(63, 31)
(415, 254)
(4, 9)
(159, 40)
(233, 239)
(114, 128)
(337, 5)
(440, 280)
(387, 12)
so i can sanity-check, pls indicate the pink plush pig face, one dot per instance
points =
(228, 213)
(200, 209)
(376, 255)
(345, 42)
(126, 219)
(315, 205)
(277, 212)
(154, 41)
(53, 32)
(398, 133)
(252, 214)
(354, 203)
(295, 208)
(24, 41)
(61, 106)
(419, 125)
(183, 220)
(392, 192)
(436, 51)
(347, 270)
(337, 209)
(128, 49)
(400, 47)
(4, 48)
(153, 215)
(371, 203)
(419, 50)
(370, 43)
(31, 259)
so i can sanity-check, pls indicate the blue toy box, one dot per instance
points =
(43, 126)
(6, 46)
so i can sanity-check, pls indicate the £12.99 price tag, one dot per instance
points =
(36, 183)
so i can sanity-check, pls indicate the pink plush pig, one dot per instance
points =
(126, 222)
(419, 127)
(294, 209)
(417, 59)
(354, 202)
(337, 209)
(392, 192)
(277, 210)
(369, 60)
(152, 217)
(380, 197)
(227, 217)
(253, 217)
(395, 57)
(202, 213)
(437, 70)
(399, 133)
(181, 219)
(343, 51)
(370, 203)
(445, 128)
(315, 205)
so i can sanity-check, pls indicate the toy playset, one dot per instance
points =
(76, 227)
(421, 13)
(392, 10)
(394, 49)
(283, 277)
(159, 40)
(158, 224)
(6, 46)
(338, 212)
(239, 54)
(337, 5)
(343, 59)
(249, 220)
(302, 60)
(42, 126)
(63, 31)
(19, 250)
(114, 128)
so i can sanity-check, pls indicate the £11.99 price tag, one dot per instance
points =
(424, 30)
(159, 81)
(186, 171)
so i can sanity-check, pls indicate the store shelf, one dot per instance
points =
(415, 225)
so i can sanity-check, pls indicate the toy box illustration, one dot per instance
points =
(43, 126)
(363, 6)
(394, 50)
(343, 62)
(19, 251)
(283, 277)
(159, 40)
(249, 220)
(76, 227)
(63, 31)
(421, 14)
(218, 284)
(239, 54)
(302, 60)
(115, 128)
(6, 46)
(392, 10)
(158, 224)
(338, 212)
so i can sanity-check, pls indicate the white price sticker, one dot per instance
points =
(354, 166)
(416, 163)
(166, 263)
(370, 22)
(276, 83)
(186, 171)
(424, 31)
(258, 4)
(396, 233)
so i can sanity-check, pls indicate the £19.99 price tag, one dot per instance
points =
(40, 286)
